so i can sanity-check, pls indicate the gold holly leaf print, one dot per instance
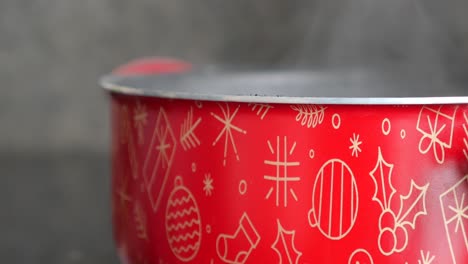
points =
(284, 246)
(412, 205)
(382, 177)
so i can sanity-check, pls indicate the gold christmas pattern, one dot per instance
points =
(465, 139)
(183, 223)
(239, 183)
(335, 200)
(140, 119)
(360, 256)
(454, 206)
(235, 248)
(188, 138)
(309, 115)
(141, 221)
(227, 119)
(426, 258)
(159, 158)
(282, 179)
(393, 226)
(436, 124)
(261, 110)
(284, 246)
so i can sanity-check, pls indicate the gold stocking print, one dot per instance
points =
(236, 248)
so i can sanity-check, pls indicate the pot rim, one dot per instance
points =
(291, 87)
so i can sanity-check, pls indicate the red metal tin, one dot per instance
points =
(225, 181)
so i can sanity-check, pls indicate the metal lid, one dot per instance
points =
(295, 87)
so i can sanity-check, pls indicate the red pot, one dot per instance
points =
(223, 167)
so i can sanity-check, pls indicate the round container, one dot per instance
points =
(288, 167)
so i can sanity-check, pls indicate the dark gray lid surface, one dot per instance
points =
(294, 86)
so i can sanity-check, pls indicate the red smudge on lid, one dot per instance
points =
(152, 65)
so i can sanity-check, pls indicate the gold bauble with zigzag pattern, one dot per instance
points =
(183, 223)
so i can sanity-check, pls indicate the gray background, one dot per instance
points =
(53, 51)
(54, 118)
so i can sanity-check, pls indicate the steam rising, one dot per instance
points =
(371, 31)
(395, 35)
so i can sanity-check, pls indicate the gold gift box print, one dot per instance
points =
(454, 207)
(436, 125)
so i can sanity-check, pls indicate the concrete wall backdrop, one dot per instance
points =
(53, 51)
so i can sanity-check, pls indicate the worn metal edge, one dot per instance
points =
(109, 85)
